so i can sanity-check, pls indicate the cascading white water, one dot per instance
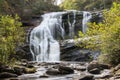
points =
(72, 24)
(43, 45)
(43, 38)
(86, 17)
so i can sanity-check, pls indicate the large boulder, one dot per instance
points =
(52, 72)
(95, 64)
(65, 70)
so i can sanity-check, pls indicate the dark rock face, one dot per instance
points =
(23, 52)
(97, 17)
(74, 53)
(70, 16)
(7, 75)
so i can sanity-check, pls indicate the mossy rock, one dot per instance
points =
(30, 70)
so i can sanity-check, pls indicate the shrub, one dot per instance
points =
(107, 35)
(11, 36)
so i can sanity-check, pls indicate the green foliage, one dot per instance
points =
(106, 35)
(41, 6)
(27, 8)
(86, 4)
(11, 36)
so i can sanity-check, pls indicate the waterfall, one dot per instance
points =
(43, 44)
(72, 25)
(86, 17)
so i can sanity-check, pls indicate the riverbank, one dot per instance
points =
(59, 71)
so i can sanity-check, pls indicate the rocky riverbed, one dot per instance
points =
(59, 71)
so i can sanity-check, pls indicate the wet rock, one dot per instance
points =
(29, 70)
(104, 66)
(80, 68)
(117, 73)
(29, 65)
(87, 77)
(24, 64)
(95, 64)
(55, 67)
(115, 69)
(65, 70)
(9, 70)
(52, 72)
(95, 71)
(70, 52)
(44, 76)
(7, 75)
(104, 74)
(18, 70)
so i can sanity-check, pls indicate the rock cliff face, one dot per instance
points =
(69, 19)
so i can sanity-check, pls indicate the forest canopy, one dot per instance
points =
(27, 8)
(88, 5)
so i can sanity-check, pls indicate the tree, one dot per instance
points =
(27, 8)
(107, 36)
(12, 35)
(86, 4)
